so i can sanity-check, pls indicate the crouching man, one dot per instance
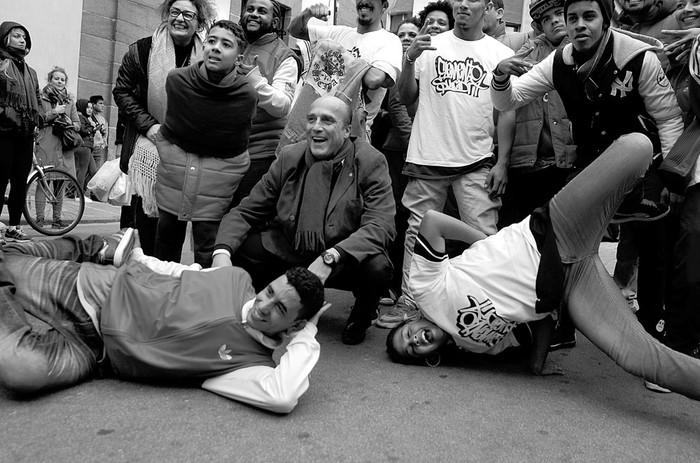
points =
(326, 203)
(152, 321)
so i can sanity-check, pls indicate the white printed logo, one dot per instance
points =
(623, 86)
(480, 322)
(224, 353)
(459, 76)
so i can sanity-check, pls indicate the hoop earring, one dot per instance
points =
(435, 360)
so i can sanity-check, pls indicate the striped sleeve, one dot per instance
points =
(423, 249)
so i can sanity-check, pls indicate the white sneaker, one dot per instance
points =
(87, 199)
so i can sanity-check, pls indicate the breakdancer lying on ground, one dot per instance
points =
(523, 273)
(150, 320)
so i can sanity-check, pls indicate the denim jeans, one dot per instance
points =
(33, 283)
(476, 208)
(580, 214)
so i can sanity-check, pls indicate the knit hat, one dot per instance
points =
(606, 8)
(538, 7)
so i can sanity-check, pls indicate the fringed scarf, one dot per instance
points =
(160, 62)
(309, 238)
(18, 90)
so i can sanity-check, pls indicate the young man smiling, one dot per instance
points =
(153, 321)
(271, 68)
(369, 41)
(483, 298)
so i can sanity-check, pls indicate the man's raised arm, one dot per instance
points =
(298, 28)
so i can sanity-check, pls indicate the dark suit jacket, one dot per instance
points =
(359, 218)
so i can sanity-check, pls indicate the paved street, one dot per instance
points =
(362, 408)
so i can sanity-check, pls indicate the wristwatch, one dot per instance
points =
(330, 257)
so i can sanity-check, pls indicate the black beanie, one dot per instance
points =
(606, 8)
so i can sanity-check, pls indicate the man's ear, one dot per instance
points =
(298, 325)
(275, 23)
(348, 131)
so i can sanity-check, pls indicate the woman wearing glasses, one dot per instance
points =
(140, 96)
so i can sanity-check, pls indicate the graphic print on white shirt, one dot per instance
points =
(461, 76)
(480, 323)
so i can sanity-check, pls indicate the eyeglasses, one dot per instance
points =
(186, 15)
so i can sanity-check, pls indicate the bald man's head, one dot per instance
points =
(328, 125)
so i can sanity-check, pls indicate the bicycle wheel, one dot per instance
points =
(55, 204)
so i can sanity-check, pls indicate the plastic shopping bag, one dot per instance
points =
(103, 180)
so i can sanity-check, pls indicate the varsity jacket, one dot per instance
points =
(628, 92)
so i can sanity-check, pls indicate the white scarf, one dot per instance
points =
(160, 62)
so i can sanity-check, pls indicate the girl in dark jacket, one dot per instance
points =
(19, 116)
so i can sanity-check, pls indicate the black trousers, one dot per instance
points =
(15, 164)
(367, 279)
(170, 236)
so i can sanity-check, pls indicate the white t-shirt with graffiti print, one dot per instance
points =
(454, 123)
(479, 296)
(380, 48)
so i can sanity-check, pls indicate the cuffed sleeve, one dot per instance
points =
(275, 389)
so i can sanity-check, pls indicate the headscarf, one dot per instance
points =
(18, 82)
(81, 105)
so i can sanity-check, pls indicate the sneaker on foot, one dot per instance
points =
(646, 211)
(87, 199)
(116, 248)
(16, 234)
(562, 340)
(389, 299)
(402, 311)
(655, 387)
(58, 224)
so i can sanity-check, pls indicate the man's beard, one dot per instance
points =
(252, 36)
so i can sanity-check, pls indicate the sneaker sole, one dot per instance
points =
(391, 324)
(17, 240)
(656, 388)
(639, 218)
(123, 251)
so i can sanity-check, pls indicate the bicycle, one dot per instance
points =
(58, 189)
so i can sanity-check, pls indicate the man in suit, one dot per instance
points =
(326, 203)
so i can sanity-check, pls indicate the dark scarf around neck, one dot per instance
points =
(18, 91)
(55, 95)
(309, 238)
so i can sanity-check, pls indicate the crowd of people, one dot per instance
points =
(461, 175)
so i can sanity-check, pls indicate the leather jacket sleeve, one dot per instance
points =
(130, 92)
